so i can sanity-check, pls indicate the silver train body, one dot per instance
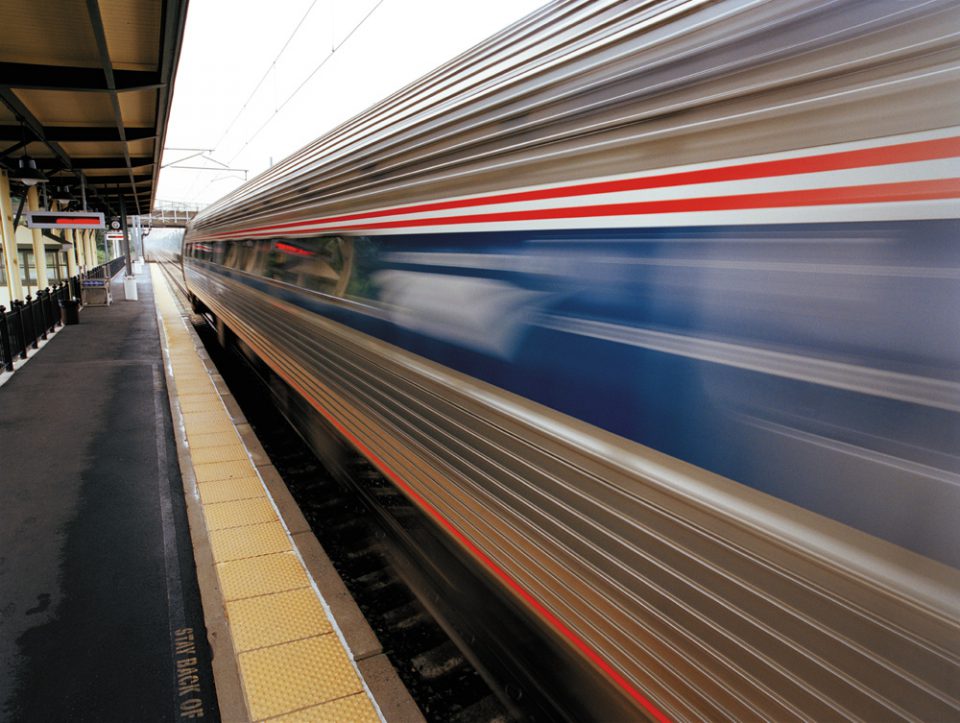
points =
(651, 310)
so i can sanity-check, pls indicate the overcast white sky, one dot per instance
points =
(230, 45)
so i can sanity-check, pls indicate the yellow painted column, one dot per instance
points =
(9, 239)
(93, 248)
(71, 235)
(39, 250)
(79, 236)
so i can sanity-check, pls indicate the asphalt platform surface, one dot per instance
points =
(100, 615)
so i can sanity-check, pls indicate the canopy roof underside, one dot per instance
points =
(85, 88)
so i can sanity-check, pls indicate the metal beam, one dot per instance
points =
(97, 162)
(93, 10)
(81, 134)
(126, 237)
(16, 219)
(14, 148)
(49, 234)
(113, 180)
(59, 77)
(174, 17)
(34, 126)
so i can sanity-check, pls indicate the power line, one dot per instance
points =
(307, 79)
(294, 93)
(264, 77)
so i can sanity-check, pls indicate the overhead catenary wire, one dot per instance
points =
(246, 102)
(266, 73)
(307, 79)
(290, 97)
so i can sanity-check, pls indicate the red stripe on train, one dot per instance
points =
(841, 195)
(843, 160)
(939, 189)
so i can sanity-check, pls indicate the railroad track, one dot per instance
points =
(172, 271)
(444, 684)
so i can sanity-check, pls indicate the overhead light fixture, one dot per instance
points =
(28, 173)
(61, 194)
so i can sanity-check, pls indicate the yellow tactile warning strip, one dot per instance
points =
(293, 664)
(350, 708)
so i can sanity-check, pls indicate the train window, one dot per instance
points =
(232, 259)
(246, 250)
(254, 257)
(203, 251)
(219, 252)
(320, 264)
(366, 263)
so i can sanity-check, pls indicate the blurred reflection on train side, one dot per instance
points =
(820, 364)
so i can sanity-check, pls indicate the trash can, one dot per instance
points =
(70, 311)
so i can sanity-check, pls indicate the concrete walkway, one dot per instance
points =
(97, 580)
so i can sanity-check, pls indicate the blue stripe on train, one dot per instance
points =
(522, 310)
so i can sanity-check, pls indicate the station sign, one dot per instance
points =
(64, 219)
(113, 236)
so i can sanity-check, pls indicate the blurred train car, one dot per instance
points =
(651, 310)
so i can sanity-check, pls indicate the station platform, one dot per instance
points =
(152, 563)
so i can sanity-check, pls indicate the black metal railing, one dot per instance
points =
(107, 270)
(30, 320)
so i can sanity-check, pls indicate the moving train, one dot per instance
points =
(650, 311)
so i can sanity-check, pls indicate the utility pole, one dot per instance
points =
(129, 280)
(126, 237)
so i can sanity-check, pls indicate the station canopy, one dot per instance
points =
(85, 89)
